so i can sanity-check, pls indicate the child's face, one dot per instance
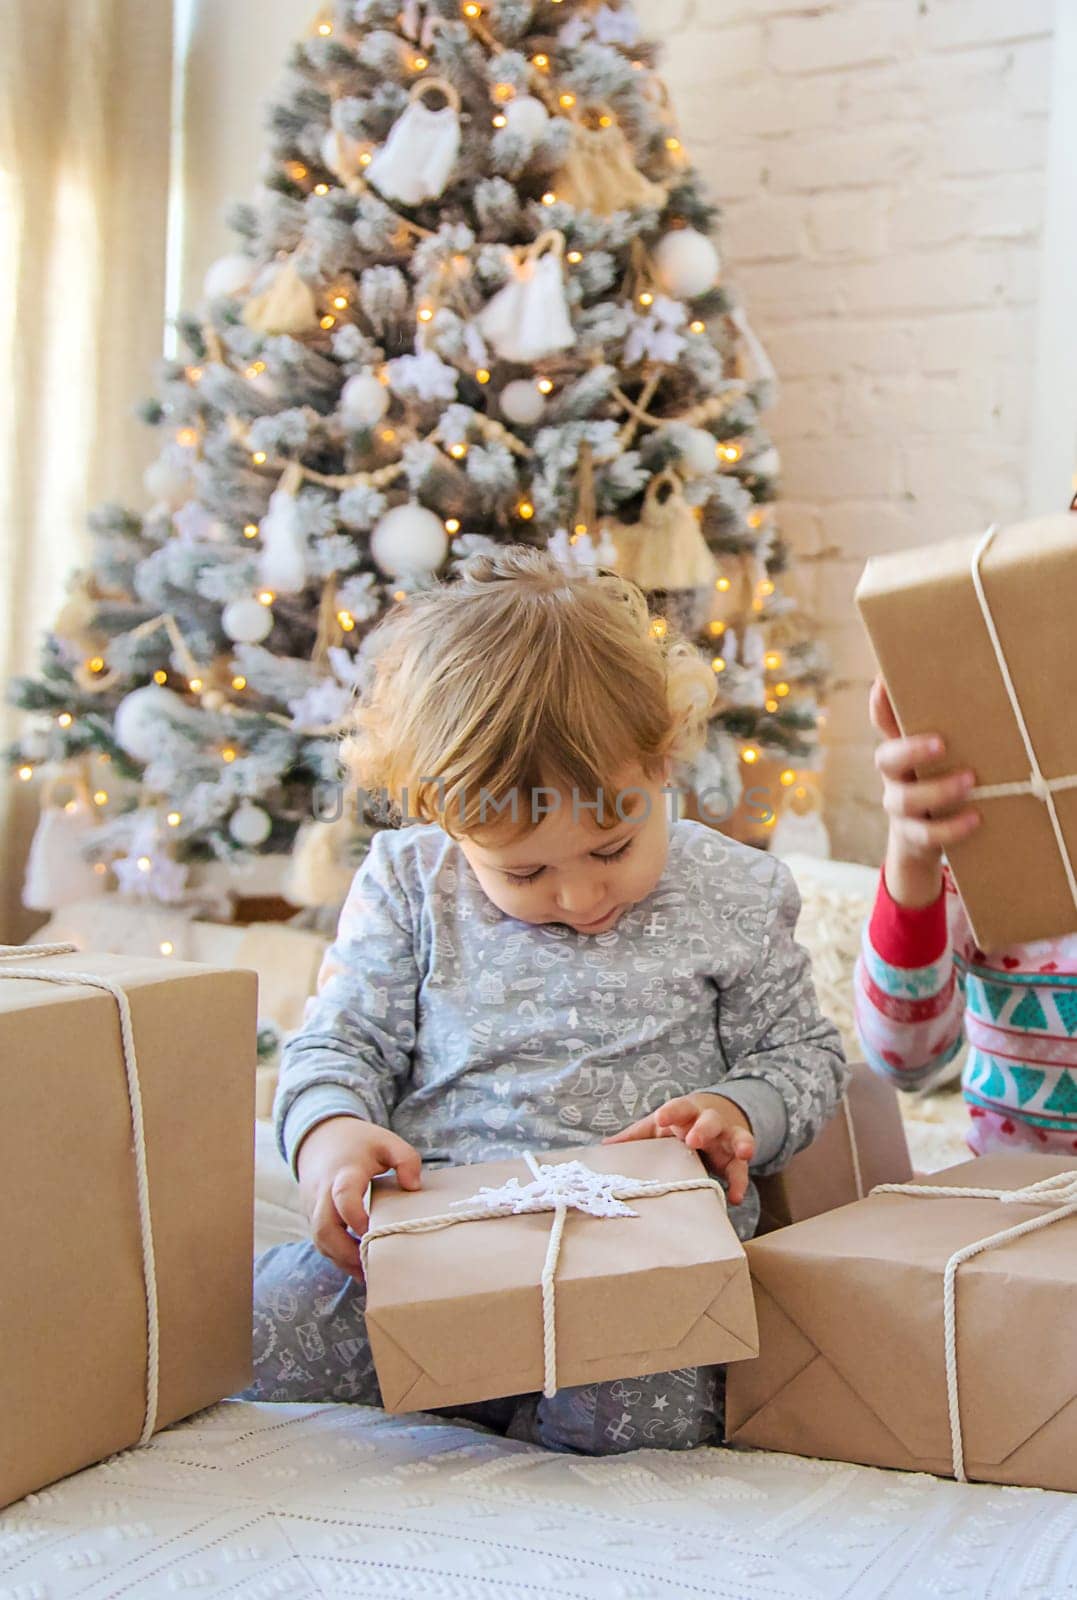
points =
(570, 871)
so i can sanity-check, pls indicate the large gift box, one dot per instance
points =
(478, 1286)
(903, 1331)
(862, 1145)
(127, 1153)
(988, 668)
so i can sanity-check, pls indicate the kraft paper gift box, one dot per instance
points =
(935, 650)
(456, 1314)
(852, 1331)
(89, 1292)
(862, 1145)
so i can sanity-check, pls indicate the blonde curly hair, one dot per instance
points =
(521, 676)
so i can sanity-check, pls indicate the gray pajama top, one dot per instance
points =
(475, 1036)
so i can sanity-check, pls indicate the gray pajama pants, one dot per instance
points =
(310, 1345)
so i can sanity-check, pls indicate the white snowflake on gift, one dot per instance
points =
(569, 1183)
(653, 334)
(148, 871)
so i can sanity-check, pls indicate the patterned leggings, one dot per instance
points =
(310, 1345)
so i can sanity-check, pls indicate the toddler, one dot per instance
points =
(583, 971)
(923, 986)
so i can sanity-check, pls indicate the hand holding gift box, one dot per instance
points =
(932, 1327)
(482, 1284)
(126, 1110)
(974, 638)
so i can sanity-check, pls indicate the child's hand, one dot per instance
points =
(925, 815)
(336, 1162)
(708, 1123)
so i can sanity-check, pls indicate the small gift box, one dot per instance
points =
(126, 1114)
(932, 1326)
(509, 1277)
(862, 1145)
(976, 642)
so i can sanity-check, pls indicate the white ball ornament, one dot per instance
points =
(250, 825)
(364, 401)
(521, 402)
(169, 480)
(527, 117)
(688, 263)
(409, 539)
(137, 723)
(700, 452)
(247, 621)
(230, 275)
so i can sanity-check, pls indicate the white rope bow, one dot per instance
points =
(1036, 784)
(1059, 1192)
(559, 1187)
(15, 952)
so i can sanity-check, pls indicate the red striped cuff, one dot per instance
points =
(907, 937)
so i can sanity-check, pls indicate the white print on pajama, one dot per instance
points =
(475, 1036)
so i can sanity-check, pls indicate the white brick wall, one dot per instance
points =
(881, 164)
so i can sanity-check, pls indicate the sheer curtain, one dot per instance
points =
(84, 163)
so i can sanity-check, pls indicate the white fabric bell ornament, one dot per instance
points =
(601, 175)
(529, 318)
(57, 871)
(800, 830)
(282, 563)
(416, 161)
(666, 548)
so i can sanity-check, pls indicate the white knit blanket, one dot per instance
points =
(253, 1502)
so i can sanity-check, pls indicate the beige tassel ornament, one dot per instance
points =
(666, 548)
(529, 318)
(75, 624)
(601, 174)
(287, 306)
(320, 870)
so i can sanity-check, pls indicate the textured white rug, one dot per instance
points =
(255, 1502)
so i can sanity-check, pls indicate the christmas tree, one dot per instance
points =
(476, 302)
